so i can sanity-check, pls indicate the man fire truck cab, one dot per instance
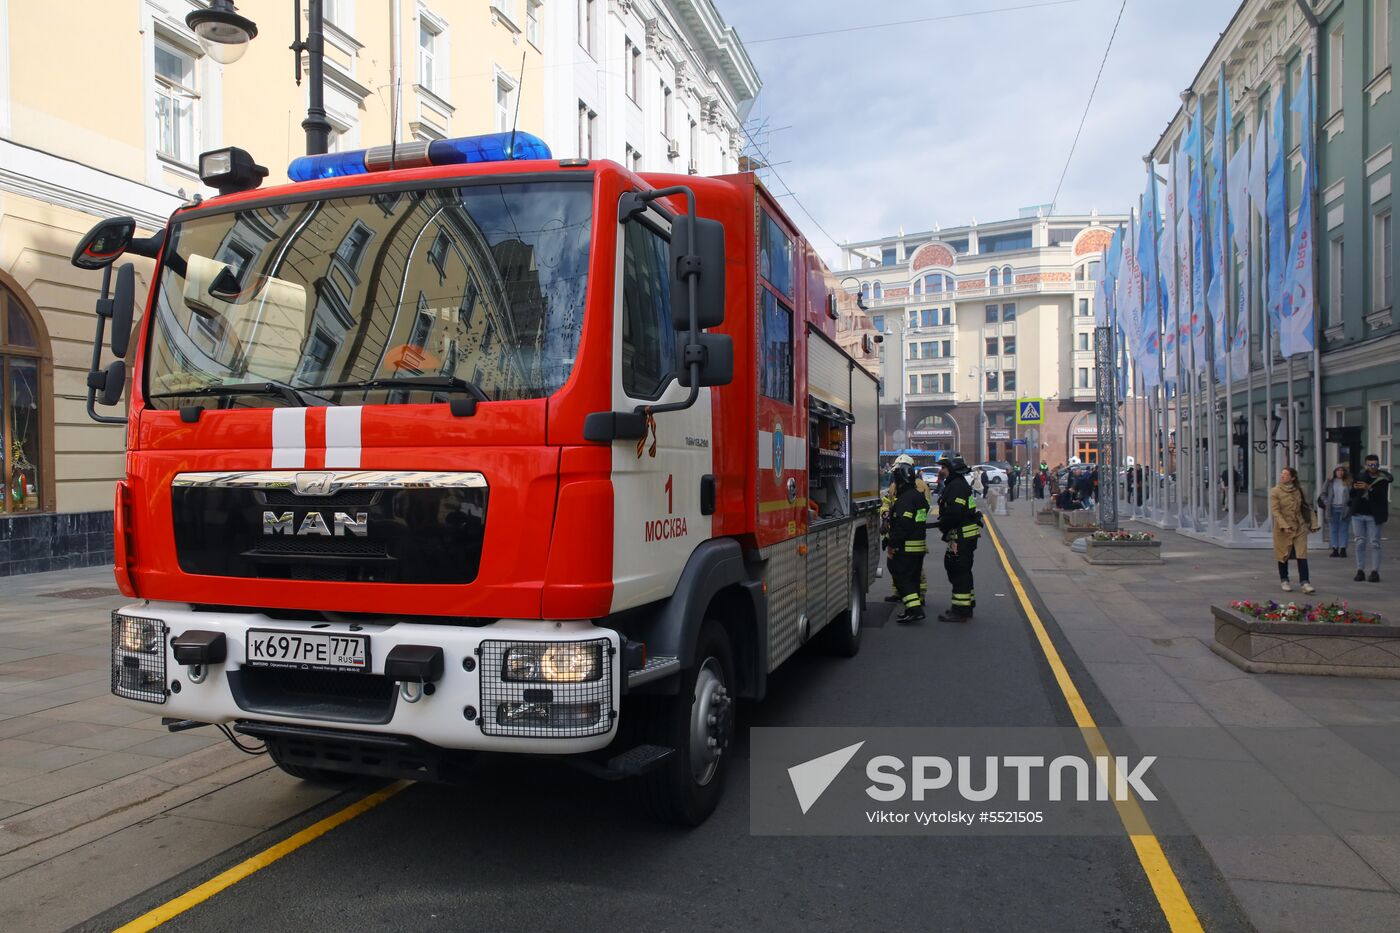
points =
(452, 447)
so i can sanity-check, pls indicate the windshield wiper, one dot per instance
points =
(425, 383)
(220, 390)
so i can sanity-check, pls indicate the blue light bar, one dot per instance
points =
(492, 147)
(330, 165)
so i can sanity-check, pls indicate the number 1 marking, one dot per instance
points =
(670, 495)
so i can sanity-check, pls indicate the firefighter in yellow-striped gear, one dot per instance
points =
(887, 498)
(907, 543)
(961, 525)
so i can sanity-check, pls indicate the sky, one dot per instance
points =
(968, 118)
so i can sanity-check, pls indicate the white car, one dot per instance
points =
(995, 475)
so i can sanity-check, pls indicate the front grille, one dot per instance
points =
(357, 547)
(139, 675)
(544, 710)
(407, 534)
(326, 695)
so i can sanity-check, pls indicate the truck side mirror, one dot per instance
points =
(717, 360)
(703, 257)
(122, 310)
(104, 243)
(113, 382)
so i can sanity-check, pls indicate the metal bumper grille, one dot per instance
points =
(538, 709)
(139, 674)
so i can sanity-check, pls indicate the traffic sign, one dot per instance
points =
(1029, 410)
(1019, 442)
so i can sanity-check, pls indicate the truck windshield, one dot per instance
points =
(482, 284)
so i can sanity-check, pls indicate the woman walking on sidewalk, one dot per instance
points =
(1335, 501)
(1293, 519)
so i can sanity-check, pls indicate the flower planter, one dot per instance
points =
(1076, 523)
(1339, 650)
(1045, 517)
(1123, 552)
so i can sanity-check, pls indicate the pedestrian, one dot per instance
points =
(984, 482)
(1129, 471)
(886, 502)
(1038, 483)
(1335, 503)
(1370, 507)
(1139, 483)
(1293, 519)
(908, 543)
(1015, 480)
(961, 525)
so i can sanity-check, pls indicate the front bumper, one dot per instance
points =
(470, 706)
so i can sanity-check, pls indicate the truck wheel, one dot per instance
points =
(842, 635)
(307, 773)
(698, 722)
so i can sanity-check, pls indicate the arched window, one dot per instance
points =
(26, 401)
(992, 279)
(865, 289)
(879, 291)
(918, 286)
(1006, 277)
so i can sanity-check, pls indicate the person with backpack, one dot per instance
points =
(1370, 507)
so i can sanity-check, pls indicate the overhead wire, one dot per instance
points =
(1087, 104)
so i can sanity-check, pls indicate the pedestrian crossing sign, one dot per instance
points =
(1028, 410)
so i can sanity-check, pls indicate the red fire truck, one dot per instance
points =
(454, 447)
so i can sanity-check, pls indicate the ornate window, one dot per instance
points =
(26, 404)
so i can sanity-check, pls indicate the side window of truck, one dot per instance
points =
(648, 340)
(776, 294)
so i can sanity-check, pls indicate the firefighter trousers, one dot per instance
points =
(959, 569)
(906, 567)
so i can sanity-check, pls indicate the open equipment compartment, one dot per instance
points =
(840, 453)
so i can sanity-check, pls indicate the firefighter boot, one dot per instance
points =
(913, 610)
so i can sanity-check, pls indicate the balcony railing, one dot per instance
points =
(939, 363)
(980, 292)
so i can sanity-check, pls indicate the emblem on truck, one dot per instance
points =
(314, 523)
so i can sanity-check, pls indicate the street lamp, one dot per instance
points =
(976, 373)
(224, 35)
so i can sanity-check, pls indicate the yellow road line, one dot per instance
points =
(1171, 897)
(191, 898)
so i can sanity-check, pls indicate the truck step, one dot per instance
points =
(638, 760)
(656, 668)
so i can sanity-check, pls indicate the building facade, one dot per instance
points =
(1264, 52)
(975, 318)
(658, 85)
(120, 128)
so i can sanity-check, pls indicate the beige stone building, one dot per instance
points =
(118, 130)
(973, 319)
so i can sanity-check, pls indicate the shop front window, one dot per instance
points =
(22, 407)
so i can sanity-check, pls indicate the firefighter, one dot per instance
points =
(887, 498)
(907, 543)
(961, 525)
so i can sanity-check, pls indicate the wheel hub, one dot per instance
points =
(711, 722)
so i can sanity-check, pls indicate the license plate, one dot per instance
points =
(308, 650)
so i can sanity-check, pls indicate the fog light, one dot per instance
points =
(559, 662)
(548, 715)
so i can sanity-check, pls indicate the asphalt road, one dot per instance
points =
(533, 847)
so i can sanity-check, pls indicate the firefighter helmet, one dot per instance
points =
(904, 460)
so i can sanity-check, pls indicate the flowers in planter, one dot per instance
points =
(1122, 536)
(1335, 613)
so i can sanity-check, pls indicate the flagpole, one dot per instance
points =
(1310, 191)
(1229, 295)
(1268, 324)
(1159, 503)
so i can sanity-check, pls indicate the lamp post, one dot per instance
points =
(224, 35)
(976, 373)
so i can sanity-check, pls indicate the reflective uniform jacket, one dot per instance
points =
(908, 516)
(888, 496)
(958, 518)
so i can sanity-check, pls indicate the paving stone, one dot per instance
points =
(1294, 859)
(175, 744)
(261, 801)
(89, 735)
(92, 773)
(1295, 908)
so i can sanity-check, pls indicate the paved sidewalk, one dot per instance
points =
(98, 801)
(1324, 747)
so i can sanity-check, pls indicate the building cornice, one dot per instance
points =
(74, 185)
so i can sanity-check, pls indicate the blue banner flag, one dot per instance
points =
(1200, 258)
(1219, 232)
(1299, 299)
(1276, 215)
(1148, 342)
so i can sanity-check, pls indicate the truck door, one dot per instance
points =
(657, 519)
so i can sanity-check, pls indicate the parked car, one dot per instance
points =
(995, 474)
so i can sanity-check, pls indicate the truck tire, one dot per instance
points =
(307, 773)
(841, 636)
(698, 723)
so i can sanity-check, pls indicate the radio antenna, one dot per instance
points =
(519, 86)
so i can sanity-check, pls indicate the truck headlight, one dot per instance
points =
(558, 663)
(140, 635)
